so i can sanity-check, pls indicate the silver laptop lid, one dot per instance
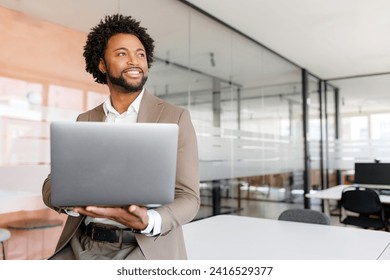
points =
(105, 164)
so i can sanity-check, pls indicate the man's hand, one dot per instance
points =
(133, 216)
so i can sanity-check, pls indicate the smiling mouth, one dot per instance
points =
(132, 72)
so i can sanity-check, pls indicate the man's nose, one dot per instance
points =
(132, 60)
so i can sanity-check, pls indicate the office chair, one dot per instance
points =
(4, 235)
(362, 207)
(304, 216)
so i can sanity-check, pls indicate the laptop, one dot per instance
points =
(107, 164)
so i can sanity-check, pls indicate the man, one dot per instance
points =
(119, 53)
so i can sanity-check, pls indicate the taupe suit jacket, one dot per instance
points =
(170, 243)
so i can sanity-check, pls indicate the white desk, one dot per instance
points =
(228, 237)
(334, 193)
(385, 254)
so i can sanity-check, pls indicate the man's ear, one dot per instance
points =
(102, 66)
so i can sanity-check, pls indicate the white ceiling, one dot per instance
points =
(330, 38)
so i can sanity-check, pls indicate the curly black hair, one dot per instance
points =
(98, 37)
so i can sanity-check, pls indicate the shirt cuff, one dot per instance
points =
(72, 213)
(154, 226)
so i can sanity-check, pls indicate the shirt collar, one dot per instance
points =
(108, 108)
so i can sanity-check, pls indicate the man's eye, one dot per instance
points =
(121, 54)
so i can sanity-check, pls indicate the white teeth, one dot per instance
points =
(133, 72)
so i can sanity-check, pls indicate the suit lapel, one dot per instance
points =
(97, 115)
(150, 109)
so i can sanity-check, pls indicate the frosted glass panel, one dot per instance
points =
(232, 153)
(19, 92)
(344, 153)
(95, 98)
(24, 142)
(64, 97)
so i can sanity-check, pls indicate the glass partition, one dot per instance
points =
(364, 111)
(245, 101)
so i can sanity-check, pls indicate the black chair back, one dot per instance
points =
(362, 207)
(362, 201)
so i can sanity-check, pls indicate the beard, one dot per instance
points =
(121, 82)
